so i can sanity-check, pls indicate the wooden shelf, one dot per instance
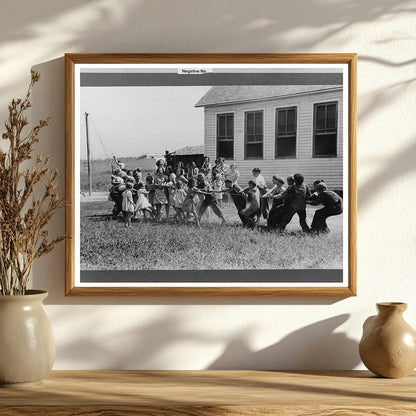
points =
(203, 393)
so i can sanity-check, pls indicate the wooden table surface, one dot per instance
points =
(202, 393)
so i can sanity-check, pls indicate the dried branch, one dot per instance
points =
(23, 218)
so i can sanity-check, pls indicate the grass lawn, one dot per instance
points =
(107, 245)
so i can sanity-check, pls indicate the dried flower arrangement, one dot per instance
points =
(28, 199)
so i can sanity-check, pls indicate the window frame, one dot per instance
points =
(258, 110)
(277, 109)
(326, 103)
(217, 115)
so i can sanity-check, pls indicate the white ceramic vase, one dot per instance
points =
(27, 346)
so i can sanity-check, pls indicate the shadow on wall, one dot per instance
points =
(48, 100)
(314, 347)
(132, 26)
(106, 25)
(136, 347)
(389, 172)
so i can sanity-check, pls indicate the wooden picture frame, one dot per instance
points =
(284, 68)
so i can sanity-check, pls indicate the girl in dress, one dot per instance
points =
(195, 172)
(206, 169)
(180, 176)
(221, 168)
(192, 171)
(128, 206)
(160, 166)
(181, 166)
(218, 187)
(150, 187)
(188, 206)
(170, 188)
(199, 198)
(232, 174)
(160, 195)
(138, 175)
(143, 205)
(179, 196)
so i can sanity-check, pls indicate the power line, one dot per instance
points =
(108, 154)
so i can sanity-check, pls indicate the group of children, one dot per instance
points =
(191, 193)
(286, 202)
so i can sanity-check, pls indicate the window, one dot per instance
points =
(253, 135)
(285, 132)
(225, 136)
(325, 130)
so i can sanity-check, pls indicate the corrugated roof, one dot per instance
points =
(220, 94)
(150, 156)
(190, 150)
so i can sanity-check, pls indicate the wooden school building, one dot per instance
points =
(282, 129)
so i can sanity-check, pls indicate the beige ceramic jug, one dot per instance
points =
(27, 347)
(388, 344)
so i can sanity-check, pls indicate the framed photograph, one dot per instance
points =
(211, 174)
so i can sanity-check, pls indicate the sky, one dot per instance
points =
(134, 120)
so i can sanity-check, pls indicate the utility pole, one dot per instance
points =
(88, 155)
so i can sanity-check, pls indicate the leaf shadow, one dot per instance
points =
(313, 347)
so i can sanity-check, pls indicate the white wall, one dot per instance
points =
(198, 333)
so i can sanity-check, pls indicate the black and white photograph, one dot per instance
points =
(211, 174)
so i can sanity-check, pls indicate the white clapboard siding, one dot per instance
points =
(329, 169)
